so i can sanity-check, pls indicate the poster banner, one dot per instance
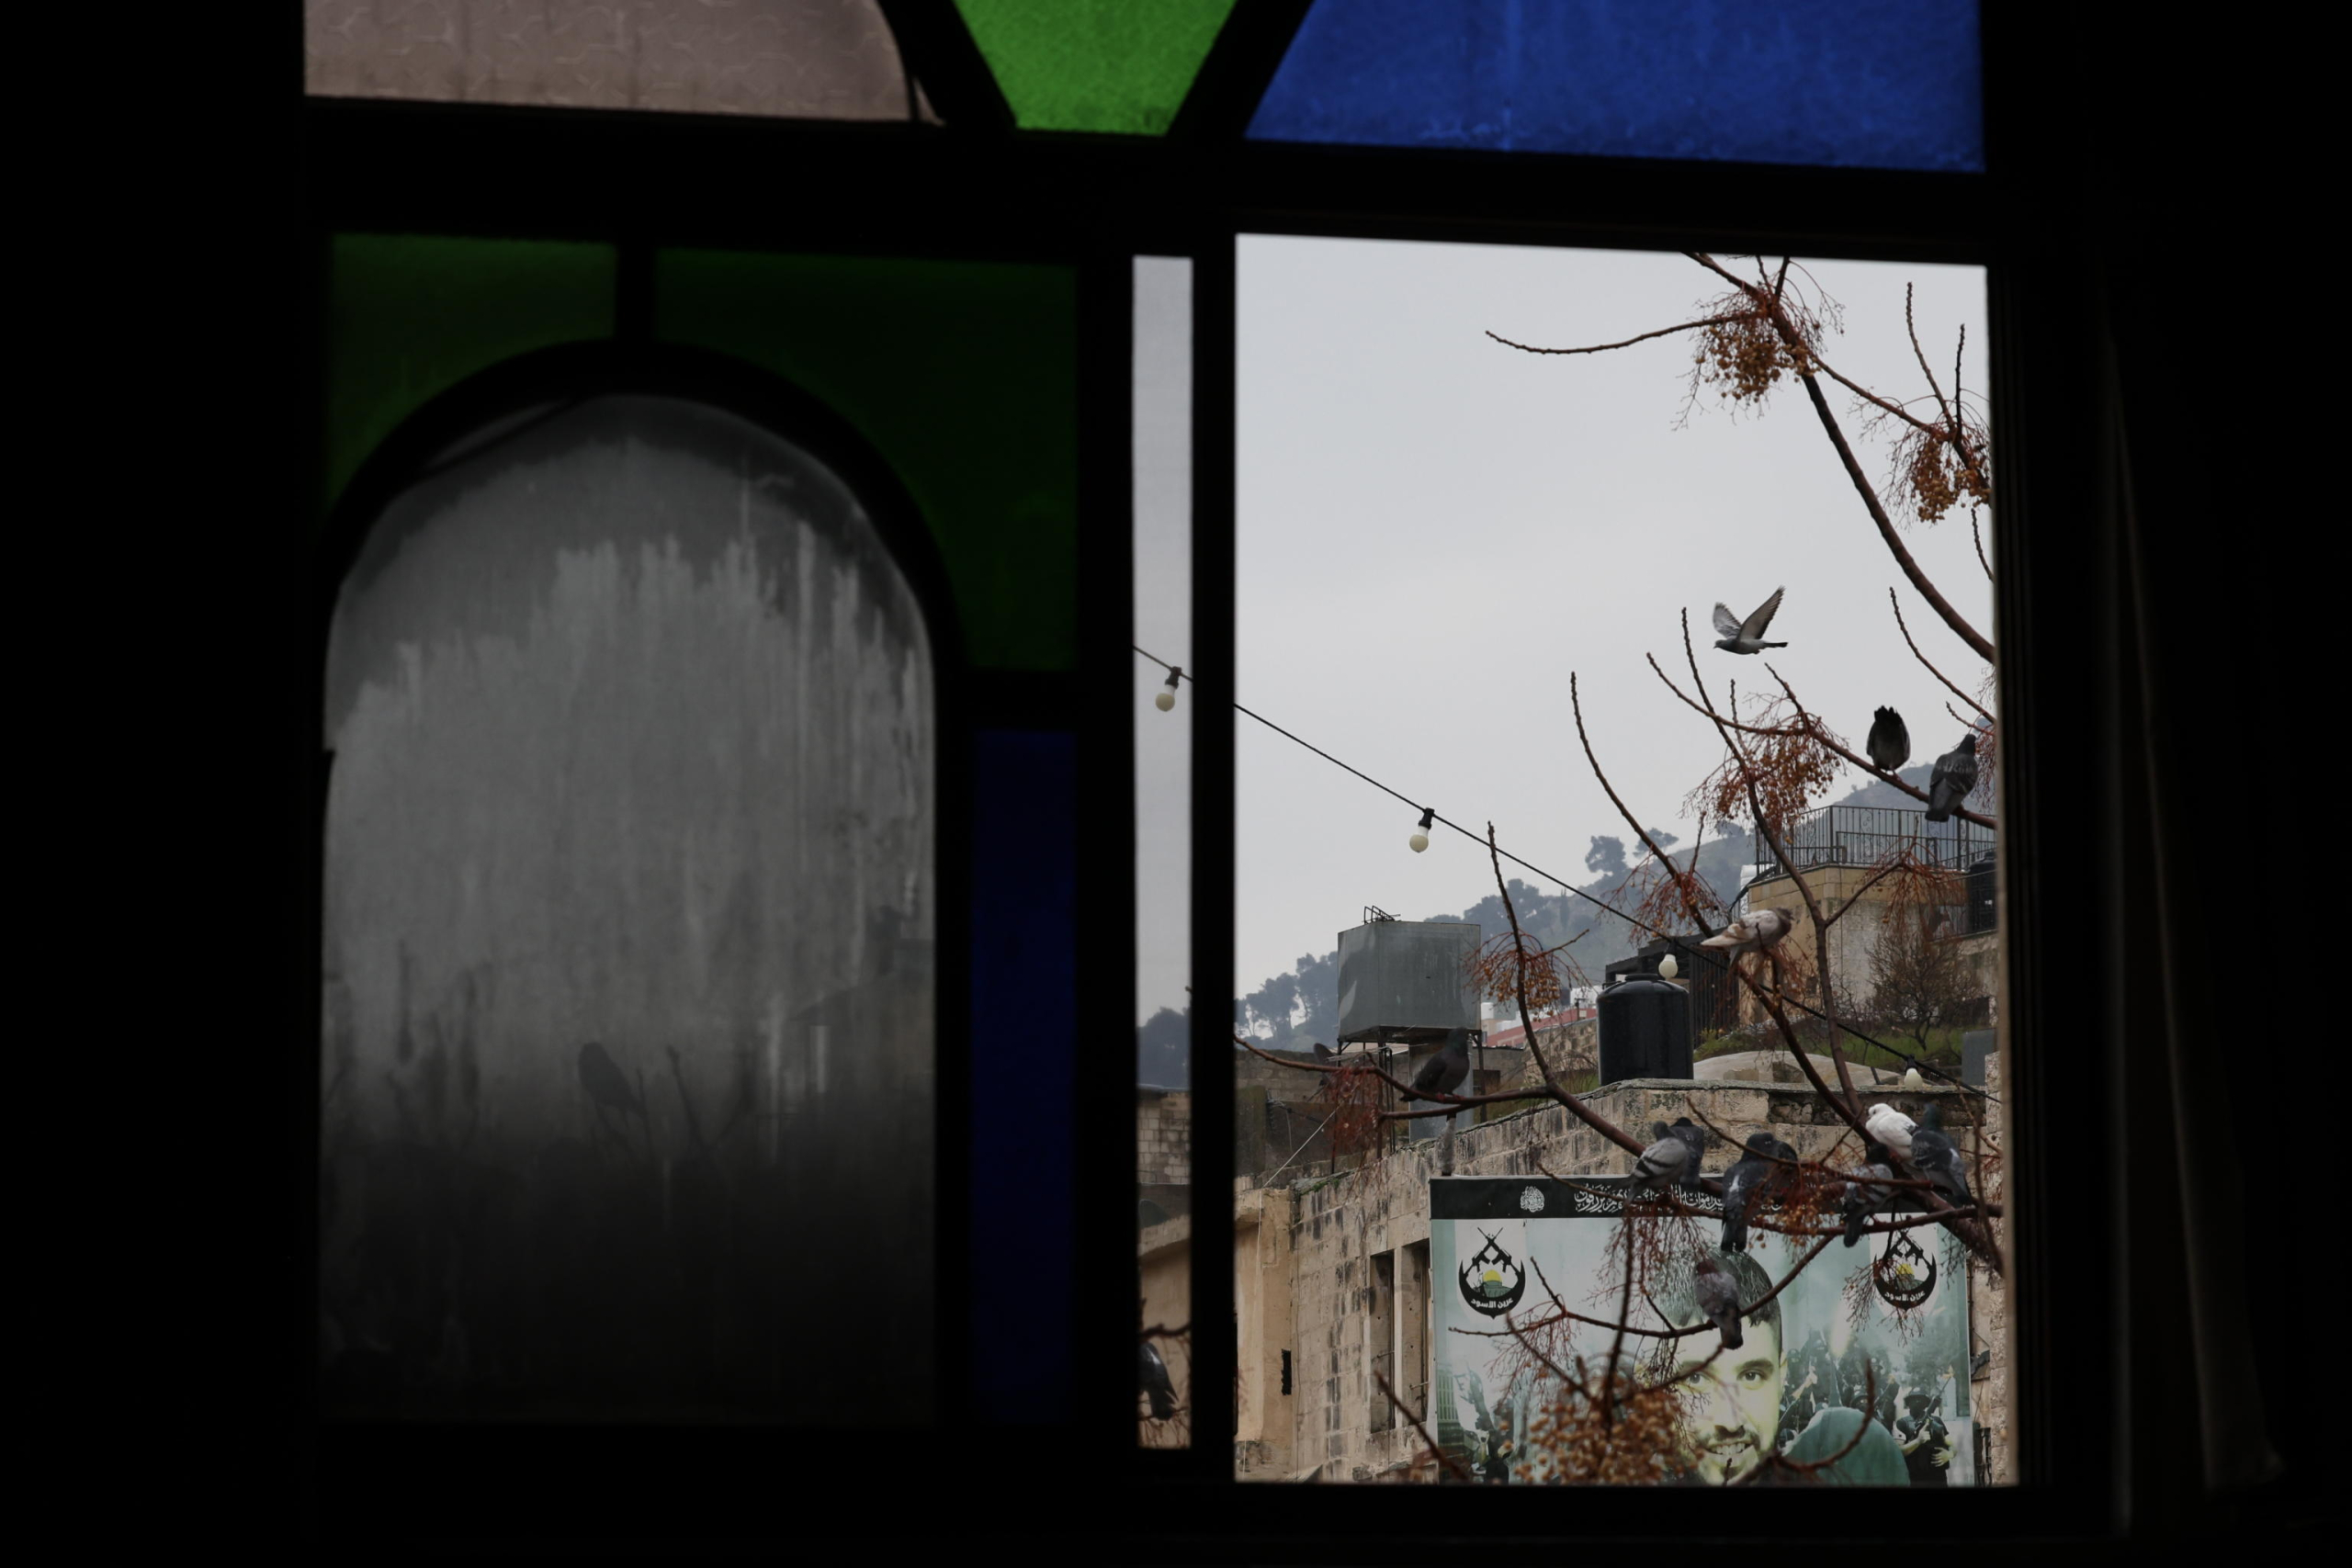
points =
(1506, 1253)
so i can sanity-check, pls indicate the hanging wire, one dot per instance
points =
(1721, 965)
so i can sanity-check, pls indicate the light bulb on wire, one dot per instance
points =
(1420, 838)
(1165, 699)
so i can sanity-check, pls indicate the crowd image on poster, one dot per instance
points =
(1876, 1332)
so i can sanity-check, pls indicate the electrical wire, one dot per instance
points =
(1722, 965)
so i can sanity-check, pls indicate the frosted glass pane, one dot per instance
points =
(629, 922)
(1875, 83)
(804, 59)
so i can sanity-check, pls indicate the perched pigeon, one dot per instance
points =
(602, 1078)
(1892, 1128)
(1444, 1073)
(1934, 1158)
(1954, 777)
(1865, 1199)
(1765, 928)
(1890, 744)
(1674, 1157)
(1747, 636)
(1912, 1082)
(1753, 1174)
(1719, 1298)
(1157, 1384)
(1322, 1052)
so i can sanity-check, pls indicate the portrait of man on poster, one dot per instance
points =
(1731, 1410)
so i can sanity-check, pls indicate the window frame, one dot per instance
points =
(975, 191)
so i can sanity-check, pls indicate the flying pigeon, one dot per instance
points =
(1890, 744)
(1719, 1298)
(1763, 928)
(1954, 777)
(1747, 636)
(1674, 1157)
(1157, 1384)
(1891, 1128)
(1934, 1158)
(1865, 1199)
(1444, 1073)
(1752, 1174)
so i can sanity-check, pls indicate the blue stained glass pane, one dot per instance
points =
(1865, 83)
(1024, 1046)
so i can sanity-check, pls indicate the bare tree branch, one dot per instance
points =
(1697, 920)
(1922, 658)
(1605, 348)
(1807, 360)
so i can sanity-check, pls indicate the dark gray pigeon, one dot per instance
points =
(1156, 1384)
(1444, 1073)
(1750, 1176)
(1322, 1052)
(1954, 777)
(1865, 1199)
(1890, 744)
(1747, 636)
(1719, 1298)
(1936, 1159)
(1674, 1157)
(601, 1076)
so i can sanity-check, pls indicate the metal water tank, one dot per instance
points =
(1406, 982)
(1644, 1030)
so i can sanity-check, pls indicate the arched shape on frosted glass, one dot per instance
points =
(794, 59)
(629, 923)
(1865, 83)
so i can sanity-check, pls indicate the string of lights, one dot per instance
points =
(1165, 700)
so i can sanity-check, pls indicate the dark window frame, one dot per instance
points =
(978, 191)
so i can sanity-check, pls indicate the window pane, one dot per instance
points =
(964, 376)
(1498, 520)
(1881, 84)
(629, 922)
(801, 59)
(415, 314)
(1024, 1038)
(1108, 65)
(1163, 629)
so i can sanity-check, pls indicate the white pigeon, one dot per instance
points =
(1765, 928)
(1912, 1082)
(1892, 1129)
(1747, 636)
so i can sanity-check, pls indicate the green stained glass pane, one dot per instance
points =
(412, 316)
(964, 376)
(1115, 65)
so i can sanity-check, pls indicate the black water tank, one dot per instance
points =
(1644, 1030)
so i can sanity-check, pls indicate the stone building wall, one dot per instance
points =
(1853, 938)
(1163, 1137)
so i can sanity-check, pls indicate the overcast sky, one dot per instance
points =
(1434, 530)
